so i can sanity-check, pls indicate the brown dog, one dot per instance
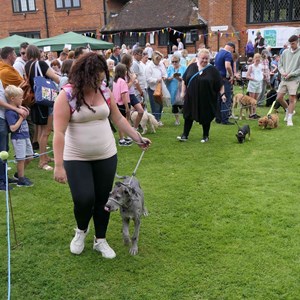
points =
(245, 102)
(269, 121)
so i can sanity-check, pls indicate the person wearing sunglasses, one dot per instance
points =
(174, 83)
(20, 62)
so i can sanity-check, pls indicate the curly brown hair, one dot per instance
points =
(85, 73)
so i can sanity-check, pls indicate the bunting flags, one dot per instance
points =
(174, 31)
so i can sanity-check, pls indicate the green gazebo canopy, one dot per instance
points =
(72, 40)
(15, 41)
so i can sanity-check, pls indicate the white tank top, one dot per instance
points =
(89, 135)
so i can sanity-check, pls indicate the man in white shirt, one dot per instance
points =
(149, 50)
(180, 44)
(20, 61)
(140, 85)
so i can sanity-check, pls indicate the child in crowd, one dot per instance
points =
(55, 65)
(255, 77)
(19, 134)
(111, 70)
(121, 95)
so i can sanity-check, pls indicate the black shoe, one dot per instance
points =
(254, 117)
(12, 180)
(228, 123)
(182, 138)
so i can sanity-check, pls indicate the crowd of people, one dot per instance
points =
(100, 89)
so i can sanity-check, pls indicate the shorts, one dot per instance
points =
(176, 108)
(254, 87)
(39, 114)
(122, 110)
(289, 87)
(133, 100)
(22, 148)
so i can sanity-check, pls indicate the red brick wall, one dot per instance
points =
(231, 13)
(88, 17)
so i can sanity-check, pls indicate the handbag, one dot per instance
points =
(158, 94)
(45, 90)
(178, 99)
(166, 97)
(28, 94)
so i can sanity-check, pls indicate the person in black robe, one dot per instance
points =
(202, 85)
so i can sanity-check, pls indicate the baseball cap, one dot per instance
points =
(231, 45)
(293, 38)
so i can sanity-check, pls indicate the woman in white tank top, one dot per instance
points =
(85, 151)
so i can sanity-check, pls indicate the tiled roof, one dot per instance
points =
(153, 14)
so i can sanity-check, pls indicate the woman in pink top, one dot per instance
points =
(84, 147)
(121, 95)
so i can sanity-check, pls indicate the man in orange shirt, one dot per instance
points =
(8, 74)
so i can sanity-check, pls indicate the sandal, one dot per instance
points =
(46, 167)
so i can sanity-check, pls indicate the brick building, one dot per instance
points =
(234, 19)
(47, 18)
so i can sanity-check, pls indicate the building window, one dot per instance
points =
(133, 39)
(31, 34)
(117, 40)
(23, 6)
(67, 3)
(274, 11)
(163, 38)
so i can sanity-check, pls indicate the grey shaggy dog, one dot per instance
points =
(129, 198)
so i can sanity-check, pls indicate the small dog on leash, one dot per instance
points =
(245, 102)
(269, 121)
(129, 198)
(147, 119)
(242, 133)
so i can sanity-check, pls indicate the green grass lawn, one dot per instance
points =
(224, 223)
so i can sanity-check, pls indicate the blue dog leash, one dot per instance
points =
(198, 73)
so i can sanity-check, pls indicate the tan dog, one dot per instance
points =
(147, 119)
(245, 102)
(270, 121)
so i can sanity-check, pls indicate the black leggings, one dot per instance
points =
(90, 183)
(188, 123)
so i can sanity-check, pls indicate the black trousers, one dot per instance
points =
(90, 183)
(188, 123)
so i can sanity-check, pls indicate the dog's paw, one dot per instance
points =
(145, 212)
(126, 241)
(133, 250)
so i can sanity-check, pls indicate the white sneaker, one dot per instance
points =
(77, 244)
(289, 122)
(103, 247)
(287, 115)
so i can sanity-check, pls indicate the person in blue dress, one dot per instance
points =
(174, 82)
